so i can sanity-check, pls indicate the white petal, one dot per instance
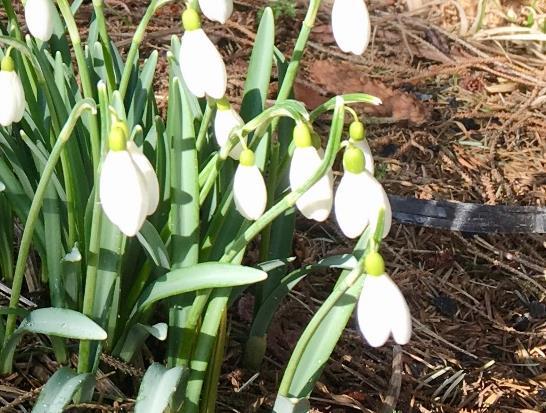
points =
(224, 122)
(202, 65)
(351, 202)
(368, 157)
(378, 199)
(372, 311)
(351, 25)
(39, 18)
(217, 10)
(399, 313)
(19, 98)
(148, 172)
(317, 202)
(12, 104)
(123, 192)
(249, 192)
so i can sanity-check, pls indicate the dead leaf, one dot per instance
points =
(339, 78)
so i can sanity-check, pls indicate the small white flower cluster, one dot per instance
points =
(129, 188)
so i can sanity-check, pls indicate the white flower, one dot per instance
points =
(39, 16)
(12, 104)
(382, 311)
(201, 64)
(217, 10)
(249, 190)
(317, 202)
(129, 190)
(351, 25)
(225, 121)
(360, 197)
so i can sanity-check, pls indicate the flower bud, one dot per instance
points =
(351, 25)
(12, 104)
(249, 190)
(39, 15)
(217, 10)
(225, 121)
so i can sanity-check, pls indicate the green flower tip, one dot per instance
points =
(8, 65)
(374, 264)
(190, 19)
(357, 131)
(247, 158)
(117, 141)
(223, 104)
(353, 160)
(302, 135)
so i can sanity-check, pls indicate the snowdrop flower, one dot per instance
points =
(317, 202)
(360, 198)
(382, 309)
(249, 188)
(225, 121)
(201, 64)
(12, 104)
(357, 136)
(129, 190)
(217, 10)
(351, 25)
(39, 18)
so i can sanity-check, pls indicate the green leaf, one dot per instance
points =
(152, 243)
(60, 389)
(158, 387)
(138, 335)
(198, 277)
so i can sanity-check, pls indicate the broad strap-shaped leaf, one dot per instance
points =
(152, 243)
(60, 389)
(158, 387)
(137, 336)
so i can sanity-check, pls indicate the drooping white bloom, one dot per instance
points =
(201, 64)
(382, 310)
(12, 103)
(359, 198)
(129, 190)
(316, 202)
(39, 16)
(249, 190)
(217, 10)
(225, 121)
(351, 25)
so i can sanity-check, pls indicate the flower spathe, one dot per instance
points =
(249, 190)
(12, 104)
(217, 10)
(351, 25)
(316, 203)
(129, 190)
(201, 64)
(382, 309)
(225, 121)
(39, 18)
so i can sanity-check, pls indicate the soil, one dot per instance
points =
(464, 120)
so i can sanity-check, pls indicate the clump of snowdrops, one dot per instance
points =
(141, 223)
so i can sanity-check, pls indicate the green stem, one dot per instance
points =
(205, 123)
(98, 6)
(93, 254)
(34, 213)
(12, 18)
(85, 78)
(313, 326)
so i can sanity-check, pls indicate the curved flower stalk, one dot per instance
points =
(249, 189)
(12, 104)
(225, 121)
(217, 10)
(129, 189)
(317, 202)
(351, 25)
(201, 64)
(360, 197)
(357, 136)
(382, 309)
(39, 18)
